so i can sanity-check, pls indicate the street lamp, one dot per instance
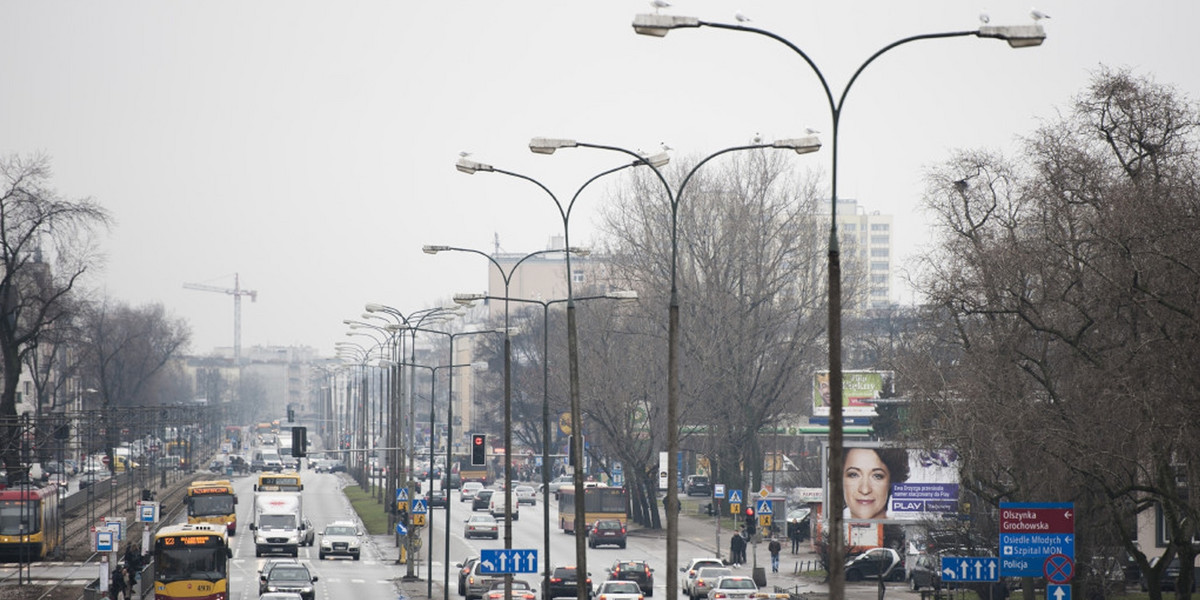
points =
(801, 145)
(1020, 36)
(471, 167)
(470, 299)
(506, 277)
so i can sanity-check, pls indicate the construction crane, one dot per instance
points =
(237, 292)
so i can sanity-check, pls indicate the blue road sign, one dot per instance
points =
(420, 507)
(1033, 532)
(1058, 592)
(735, 496)
(105, 541)
(402, 494)
(495, 562)
(970, 568)
(719, 491)
(401, 529)
(763, 508)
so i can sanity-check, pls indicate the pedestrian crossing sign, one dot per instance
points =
(764, 520)
(418, 519)
(735, 509)
(764, 507)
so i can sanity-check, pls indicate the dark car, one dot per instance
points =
(482, 499)
(873, 564)
(634, 570)
(437, 498)
(1169, 578)
(698, 485)
(290, 578)
(563, 582)
(606, 532)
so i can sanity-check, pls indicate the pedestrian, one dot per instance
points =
(737, 549)
(116, 587)
(774, 547)
(793, 531)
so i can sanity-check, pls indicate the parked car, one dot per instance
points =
(467, 492)
(925, 573)
(698, 485)
(482, 499)
(1169, 578)
(706, 578)
(289, 578)
(606, 532)
(563, 581)
(520, 591)
(693, 569)
(733, 587)
(341, 538)
(638, 571)
(481, 526)
(525, 494)
(615, 589)
(873, 564)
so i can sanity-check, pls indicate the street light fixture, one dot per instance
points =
(801, 145)
(1021, 36)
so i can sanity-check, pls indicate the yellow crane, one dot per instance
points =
(237, 292)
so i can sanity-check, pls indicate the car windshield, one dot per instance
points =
(608, 525)
(282, 573)
(621, 587)
(332, 530)
(737, 584)
(564, 573)
(276, 521)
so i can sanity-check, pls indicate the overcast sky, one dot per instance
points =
(310, 146)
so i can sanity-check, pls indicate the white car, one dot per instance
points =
(615, 589)
(481, 526)
(497, 507)
(525, 494)
(733, 587)
(706, 578)
(467, 492)
(693, 569)
(341, 538)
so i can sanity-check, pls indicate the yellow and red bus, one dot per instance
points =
(279, 482)
(213, 502)
(28, 522)
(599, 502)
(178, 449)
(191, 562)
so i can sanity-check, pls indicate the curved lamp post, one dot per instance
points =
(471, 167)
(470, 299)
(802, 145)
(1019, 36)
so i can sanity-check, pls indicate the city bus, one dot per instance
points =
(279, 482)
(599, 502)
(213, 502)
(468, 472)
(191, 562)
(29, 522)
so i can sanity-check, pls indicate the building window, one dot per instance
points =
(879, 292)
(577, 276)
(879, 252)
(879, 278)
(879, 265)
(879, 227)
(879, 239)
(849, 228)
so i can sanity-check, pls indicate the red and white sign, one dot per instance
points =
(1037, 520)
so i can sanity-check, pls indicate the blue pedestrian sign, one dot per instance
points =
(402, 494)
(735, 496)
(420, 507)
(401, 529)
(501, 561)
(763, 508)
(970, 568)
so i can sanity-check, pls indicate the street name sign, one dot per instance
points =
(970, 568)
(501, 561)
(1033, 532)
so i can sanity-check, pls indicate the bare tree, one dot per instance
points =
(46, 248)
(1068, 282)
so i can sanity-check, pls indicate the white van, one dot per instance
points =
(266, 459)
(497, 507)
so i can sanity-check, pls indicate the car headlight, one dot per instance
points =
(271, 588)
(326, 546)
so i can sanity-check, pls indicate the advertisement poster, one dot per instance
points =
(885, 483)
(858, 388)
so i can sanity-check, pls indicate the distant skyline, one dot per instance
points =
(310, 146)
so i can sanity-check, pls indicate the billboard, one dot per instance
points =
(858, 388)
(886, 483)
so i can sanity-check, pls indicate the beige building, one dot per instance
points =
(871, 237)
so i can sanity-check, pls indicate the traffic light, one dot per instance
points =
(478, 449)
(751, 522)
(299, 442)
(291, 415)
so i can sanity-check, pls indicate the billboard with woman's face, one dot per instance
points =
(882, 482)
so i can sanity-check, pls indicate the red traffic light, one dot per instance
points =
(749, 511)
(479, 440)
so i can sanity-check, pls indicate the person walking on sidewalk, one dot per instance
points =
(737, 549)
(774, 547)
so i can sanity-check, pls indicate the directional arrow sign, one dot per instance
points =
(401, 529)
(500, 561)
(1031, 533)
(735, 496)
(764, 507)
(970, 568)
(1058, 592)
(420, 507)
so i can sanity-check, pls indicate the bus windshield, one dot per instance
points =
(205, 506)
(177, 564)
